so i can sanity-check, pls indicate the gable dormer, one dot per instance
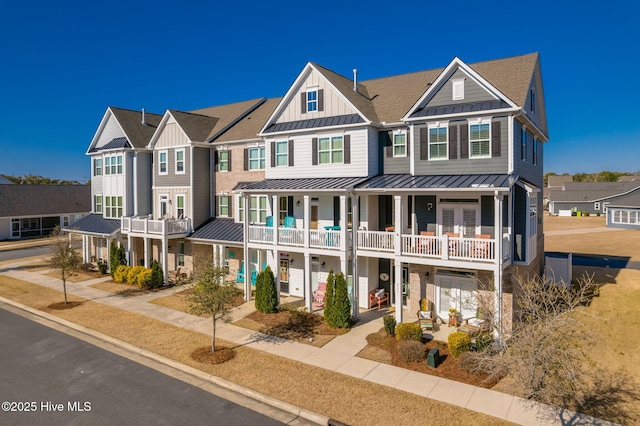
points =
(318, 98)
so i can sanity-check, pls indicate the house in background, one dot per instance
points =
(35, 210)
(591, 197)
(554, 183)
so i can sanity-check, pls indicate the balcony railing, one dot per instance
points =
(318, 238)
(136, 225)
(324, 239)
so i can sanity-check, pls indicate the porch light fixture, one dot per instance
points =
(298, 203)
(426, 275)
(323, 263)
(429, 206)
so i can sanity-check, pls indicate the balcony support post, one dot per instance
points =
(498, 199)
(275, 218)
(245, 246)
(397, 284)
(308, 285)
(343, 225)
(165, 257)
(306, 222)
(355, 288)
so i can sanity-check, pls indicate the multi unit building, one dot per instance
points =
(427, 185)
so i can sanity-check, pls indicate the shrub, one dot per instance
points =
(390, 324)
(117, 256)
(266, 292)
(102, 267)
(157, 275)
(144, 278)
(329, 296)
(341, 313)
(459, 342)
(410, 351)
(483, 341)
(132, 276)
(408, 331)
(120, 274)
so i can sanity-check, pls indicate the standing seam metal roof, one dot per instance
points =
(444, 182)
(95, 224)
(220, 229)
(304, 184)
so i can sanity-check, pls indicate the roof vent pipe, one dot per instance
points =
(144, 118)
(355, 80)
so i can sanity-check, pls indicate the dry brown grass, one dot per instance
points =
(556, 223)
(177, 300)
(120, 289)
(310, 387)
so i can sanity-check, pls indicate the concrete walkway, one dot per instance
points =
(338, 355)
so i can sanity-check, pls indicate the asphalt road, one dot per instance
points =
(20, 253)
(62, 380)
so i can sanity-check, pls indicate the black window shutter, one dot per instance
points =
(346, 156)
(320, 99)
(290, 153)
(464, 141)
(230, 198)
(496, 139)
(407, 140)
(303, 102)
(453, 142)
(215, 157)
(229, 160)
(246, 159)
(273, 154)
(336, 211)
(424, 144)
(290, 205)
(390, 143)
(314, 151)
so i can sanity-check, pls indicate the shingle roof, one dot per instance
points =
(95, 224)
(32, 200)
(196, 126)
(558, 181)
(220, 229)
(444, 182)
(137, 133)
(302, 185)
(249, 126)
(227, 115)
(629, 200)
(591, 191)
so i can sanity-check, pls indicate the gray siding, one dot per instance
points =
(472, 92)
(525, 168)
(171, 178)
(520, 217)
(201, 188)
(143, 187)
(129, 184)
(463, 165)
(425, 218)
(373, 152)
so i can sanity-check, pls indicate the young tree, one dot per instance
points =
(341, 315)
(64, 258)
(157, 275)
(117, 257)
(212, 295)
(330, 297)
(266, 292)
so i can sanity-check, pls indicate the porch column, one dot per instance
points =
(109, 254)
(247, 268)
(165, 259)
(130, 254)
(275, 208)
(497, 302)
(397, 285)
(308, 295)
(146, 252)
(306, 221)
(343, 225)
(85, 257)
(355, 288)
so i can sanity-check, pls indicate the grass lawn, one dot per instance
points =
(310, 387)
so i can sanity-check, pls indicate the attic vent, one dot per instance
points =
(144, 118)
(355, 80)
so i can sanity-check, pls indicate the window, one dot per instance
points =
(162, 163)
(119, 164)
(625, 216)
(15, 227)
(180, 206)
(400, 145)
(283, 209)
(282, 153)
(458, 89)
(532, 100)
(312, 100)
(107, 163)
(330, 150)
(223, 161)
(438, 143)
(97, 166)
(256, 158)
(164, 205)
(180, 253)
(223, 205)
(97, 203)
(113, 207)
(180, 161)
(596, 205)
(113, 164)
(65, 220)
(479, 140)
(523, 144)
(258, 209)
(535, 150)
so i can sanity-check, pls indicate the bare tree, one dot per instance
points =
(64, 258)
(212, 295)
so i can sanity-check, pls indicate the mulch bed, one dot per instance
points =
(60, 306)
(205, 356)
(449, 367)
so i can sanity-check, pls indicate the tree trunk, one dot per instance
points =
(213, 336)
(64, 287)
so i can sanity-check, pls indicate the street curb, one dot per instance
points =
(250, 393)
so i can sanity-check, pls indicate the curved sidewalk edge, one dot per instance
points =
(297, 412)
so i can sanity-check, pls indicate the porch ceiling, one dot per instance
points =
(303, 185)
(408, 182)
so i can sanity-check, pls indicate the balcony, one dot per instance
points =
(295, 237)
(142, 226)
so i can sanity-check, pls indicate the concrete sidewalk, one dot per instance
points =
(338, 355)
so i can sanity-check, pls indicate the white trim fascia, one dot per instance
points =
(235, 142)
(289, 96)
(168, 188)
(468, 70)
(510, 137)
(465, 114)
(412, 153)
(315, 130)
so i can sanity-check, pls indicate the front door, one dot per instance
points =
(314, 216)
(456, 290)
(284, 275)
(460, 220)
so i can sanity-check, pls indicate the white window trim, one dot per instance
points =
(183, 162)
(161, 198)
(228, 199)
(312, 90)
(166, 162)
(285, 154)
(393, 143)
(479, 122)
(95, 166)
(95, 204)
(446, 142)
(331, 150)
(596, 205)
(457, 85)
(220, 151)
(184, 204)
(261, 159)
(239, 208)
(65, 220)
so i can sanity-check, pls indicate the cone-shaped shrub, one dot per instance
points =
(329, 296)
(266, 292)
(340, 316)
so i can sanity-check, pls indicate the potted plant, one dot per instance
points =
(453, 317)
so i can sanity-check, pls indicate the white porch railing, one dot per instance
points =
(376, 240)
(291, 236)
(260, 234)
(324, 239)
(136, 225)
(318, 238)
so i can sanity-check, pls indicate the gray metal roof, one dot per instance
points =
(591, 191)
(303, 185)
(437, 182)
(116, 143)
(339, 120)
(460, 108)
(220, 229)
(95, 224)
(44, 200)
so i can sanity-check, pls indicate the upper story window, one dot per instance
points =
(240, 209)
(258, 209)
(162, 163)
(330, 150)
(224, 201)
(283, 209)
(523, 144)
(458, 89)
(479, 140)
(257, 158)
(113, 165)
(113, 207)
(532, 100)
(180, 206)
(180, 161)
(438, 143)
(119, 163)
(282, 153)
(400, 145)
(97, 166)
(223, 161)
(107, 165)
(312, 100)
(97, 203)
(535, 150)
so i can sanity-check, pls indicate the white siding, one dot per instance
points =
(172, 135)
(172, 193)
(111, 131)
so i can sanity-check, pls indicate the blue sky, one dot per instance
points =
(63, 63)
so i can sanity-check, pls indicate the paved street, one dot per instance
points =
(66, 381)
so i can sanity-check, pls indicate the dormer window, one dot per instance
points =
(532, 101)
(312, 100)
(458, 89)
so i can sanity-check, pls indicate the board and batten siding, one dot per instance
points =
(171, 136)
(456, 164)
(171, 178)
(142, 183)
(110, 131)
(333, 103)
(303, 157)
(201, 186)
(525, 168)
(473, 92)
(129, 196)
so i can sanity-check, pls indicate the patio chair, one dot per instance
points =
(425, 320)
(320, 295)
(378, 296)
(481, 249)
(240, 273)
(428, 245)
